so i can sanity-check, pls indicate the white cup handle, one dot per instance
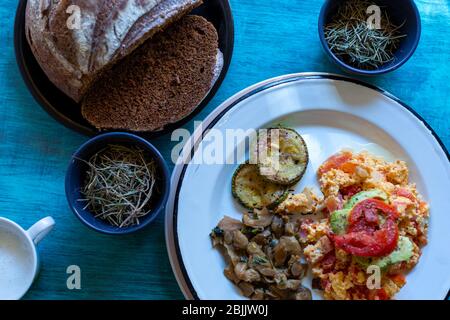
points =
(40, 229)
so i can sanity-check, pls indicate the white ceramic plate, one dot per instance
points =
(331, 112)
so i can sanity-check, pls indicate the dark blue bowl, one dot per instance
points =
(76, 175)
(400, 11)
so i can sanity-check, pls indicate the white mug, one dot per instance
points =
(19, 260)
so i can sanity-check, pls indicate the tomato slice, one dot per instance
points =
(367, 236)
(335, 162)
(366, 244)
(365, 215)
(350, 191)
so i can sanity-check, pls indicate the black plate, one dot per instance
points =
(66, 111)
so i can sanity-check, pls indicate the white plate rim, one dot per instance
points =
(172, 245)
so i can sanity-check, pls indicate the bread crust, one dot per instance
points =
(73, 58)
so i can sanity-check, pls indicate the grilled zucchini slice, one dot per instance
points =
(283, 160)
(253, 191)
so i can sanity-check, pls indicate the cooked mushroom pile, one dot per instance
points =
(264, 256)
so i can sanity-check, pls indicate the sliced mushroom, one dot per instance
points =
(281, 280)
(252, 276)
(239, 270)
(246, 288)
(239, 240)
(292, 284)
(231, 254)
(285, 247)
(244, 274)
(298, 269)
(265, 257)
(262, 238)
(277, 226)
(258, 219)
(254, 249)
(229, 224)
(278, 293)
(229, 273)
(291, 244)
(268, 272)
(216, 241)
(280, 254)
(268, 280)
(228, 237)
(258, 294)
(272, 295)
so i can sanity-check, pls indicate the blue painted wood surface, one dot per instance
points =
(272, 38)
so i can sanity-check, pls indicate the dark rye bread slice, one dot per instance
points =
(159, 83)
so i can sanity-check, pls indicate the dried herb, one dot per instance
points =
(350, 37)
(119, 186)
(249, 231)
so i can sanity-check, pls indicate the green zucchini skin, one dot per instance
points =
(284, 177)
(269, 194)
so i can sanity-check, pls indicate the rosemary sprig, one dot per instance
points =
(350, 38)
(119, 185)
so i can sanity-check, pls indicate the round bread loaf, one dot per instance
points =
(74, 41)
(161, 82)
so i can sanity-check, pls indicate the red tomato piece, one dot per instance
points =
(335, 162)
(350, 190)
(367, 211)
(328, 261)
(365, 236)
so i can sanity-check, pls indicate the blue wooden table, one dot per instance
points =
(272, 38)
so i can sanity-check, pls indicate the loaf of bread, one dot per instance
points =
(75, 41)
(161, 82)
